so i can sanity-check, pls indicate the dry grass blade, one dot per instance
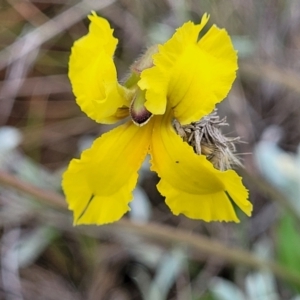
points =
(283, 77)
(50, 29)
(164, 234)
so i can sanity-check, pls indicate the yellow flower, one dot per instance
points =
(180, 80)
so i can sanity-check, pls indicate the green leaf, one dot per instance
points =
(288, 244)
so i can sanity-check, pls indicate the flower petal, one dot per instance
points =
(155, 80)
(93, 74)
(189, 182)
(207, 207)
(99, 185)
(194, 76)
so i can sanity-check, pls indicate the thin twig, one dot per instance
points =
(52, 84)
(197, 242)
(284, 77)
(48, 197)
(50, 29)
(17, 72)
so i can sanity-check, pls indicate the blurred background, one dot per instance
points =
(150, 254)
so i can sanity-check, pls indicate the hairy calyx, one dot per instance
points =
(207, 139)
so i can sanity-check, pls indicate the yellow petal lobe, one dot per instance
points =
(93, 74)
(207, 207)
(193, 76)
(156, 79)
(98, 186)
(190, 183)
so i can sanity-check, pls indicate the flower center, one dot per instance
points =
(138, 112)
(206, 138)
